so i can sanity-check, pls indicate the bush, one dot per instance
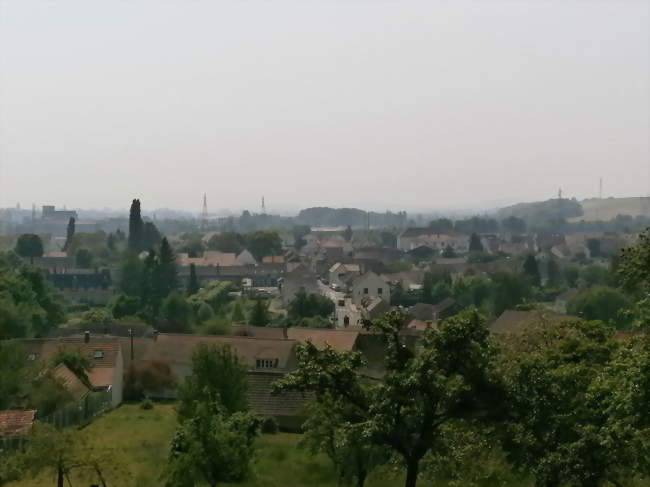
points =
(146, 404)
(269, 425)
(216, 326)
(204, 313)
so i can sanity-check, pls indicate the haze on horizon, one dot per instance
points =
(373, 104)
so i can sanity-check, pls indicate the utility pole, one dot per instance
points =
(204, 212)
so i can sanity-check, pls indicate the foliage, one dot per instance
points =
(594, 275)
(149, 378)
(347, 233)
(214, 293)
(269, 425)
(29, 306)
(69, 233)
(216, 326)
(263, 243)
(74, 360)
(475, 244)
(420, 391)
(147, 404)
(84, 259)
(229, 242)
(531, 270)
(204, 313)
(29, 245)
(136, 227)
(123, 305)
(12, 373)
(557, 427)
(193, 283)
(97, 316)
(310, 305)
(217, 376)
(601, 303)
(259, 314)
(508, 290)
(211, 446)
(352, 454)
(237, 313)
(176, 314)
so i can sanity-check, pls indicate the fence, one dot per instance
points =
(80, 413)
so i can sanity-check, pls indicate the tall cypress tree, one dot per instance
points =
(136, 232)
(69, 233)
(475, 244)
(193, 284)
(167, 272)
(532, 270)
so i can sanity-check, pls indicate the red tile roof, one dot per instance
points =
(16, 423)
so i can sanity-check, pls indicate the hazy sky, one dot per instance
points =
(376, 104)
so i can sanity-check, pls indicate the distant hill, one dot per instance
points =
(542, 211)
(354, 217)
(609, 208)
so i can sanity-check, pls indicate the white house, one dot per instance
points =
(369, 285)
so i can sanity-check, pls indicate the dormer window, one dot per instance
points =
(266, 363)
(98, 354)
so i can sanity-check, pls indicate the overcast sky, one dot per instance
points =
(376, 104)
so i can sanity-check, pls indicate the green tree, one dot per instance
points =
(131, 275)
(553, 429)
(204, 313)
(193, 283)
(353, 456)
(166, 272)
(571, 273)
(29, 246)
(176, 314)
(553, 273)
(259, 315)
(305, 305)
(421, 389)
(449, 252)
(12, 373)
(263, 243)
(347, 233)
(123, 305)
(237, 313)
(69, 233)
(531, 270)
(475, 244)
(594, 275)
(84, 259)
(212, 446)
(136, 227)
(151, 237)
(508, 290)
(600, 303)
(230, 242)
(217, 377)
(514, 225)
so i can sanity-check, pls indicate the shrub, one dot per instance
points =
(270, 425)
(146, 404)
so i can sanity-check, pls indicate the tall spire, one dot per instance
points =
(204, 211)
(263, 206)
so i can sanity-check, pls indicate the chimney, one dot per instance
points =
(155, 335)
(86, 336)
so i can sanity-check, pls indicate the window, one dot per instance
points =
(380, 290)
(365, 290)
(266, 363)
(346, 321)
(98, 354)
(341, 302)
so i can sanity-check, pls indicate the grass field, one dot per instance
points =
(141, 439)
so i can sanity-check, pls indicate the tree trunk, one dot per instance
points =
(59, 477)
(412, 469)
(361, 479)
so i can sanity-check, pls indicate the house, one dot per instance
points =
(412, 238)
(245, 258)
(514, 321)
(274, 259)
(341, 274)
(339, 340)
(104, 353)
(369, 285)
(16, 424)
(445, 308)
(80, 279)
(266, 361)
(422, 312)
(69, 380)
(294, 281)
